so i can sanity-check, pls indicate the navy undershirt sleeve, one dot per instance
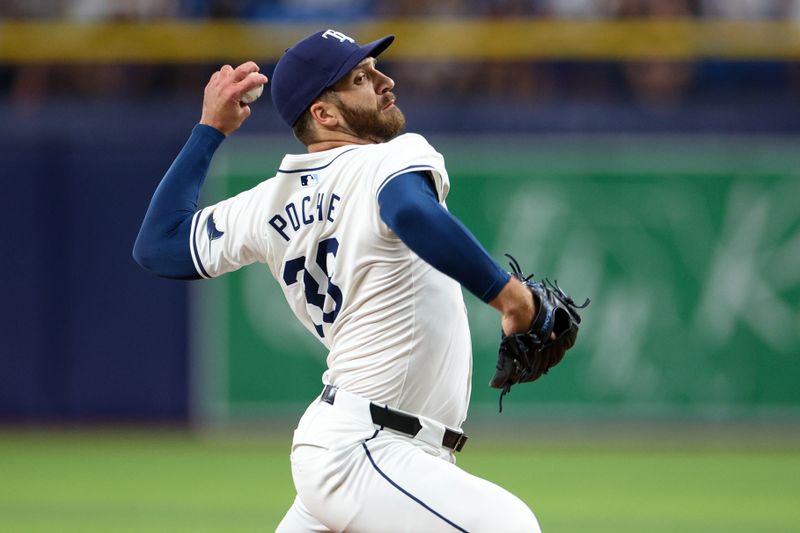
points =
(162, 246)
(410, 207)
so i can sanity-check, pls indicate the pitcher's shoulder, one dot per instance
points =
(407, 138)
(409, 141)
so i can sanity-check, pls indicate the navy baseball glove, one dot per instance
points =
(526, 356)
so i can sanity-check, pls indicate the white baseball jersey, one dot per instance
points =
(395, 327)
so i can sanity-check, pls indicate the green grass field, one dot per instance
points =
(103, 481)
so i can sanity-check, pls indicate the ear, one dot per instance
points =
(325, 114)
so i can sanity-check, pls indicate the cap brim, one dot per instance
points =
(376, 48)
(373, 49)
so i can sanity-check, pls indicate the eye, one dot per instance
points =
(359, 79)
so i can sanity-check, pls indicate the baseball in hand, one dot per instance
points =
(253, 94)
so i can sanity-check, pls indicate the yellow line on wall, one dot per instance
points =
(435, 39)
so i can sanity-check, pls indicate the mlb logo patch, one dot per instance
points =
(308, 179)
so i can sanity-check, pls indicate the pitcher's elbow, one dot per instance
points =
(144, 255)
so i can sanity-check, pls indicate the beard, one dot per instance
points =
(375, 125)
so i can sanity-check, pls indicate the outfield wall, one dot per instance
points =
(88, 335)
(689, 247)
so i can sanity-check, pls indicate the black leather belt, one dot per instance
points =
(402, 422)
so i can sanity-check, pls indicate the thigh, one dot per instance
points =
(428, 493)
(299, 520)
(392, 484)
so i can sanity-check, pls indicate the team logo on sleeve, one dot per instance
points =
(211, 229)
(308, 179)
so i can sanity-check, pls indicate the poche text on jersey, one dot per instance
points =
(308, 212)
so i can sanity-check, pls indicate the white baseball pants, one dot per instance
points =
(353, 477)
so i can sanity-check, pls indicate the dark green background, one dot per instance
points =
(688, 247)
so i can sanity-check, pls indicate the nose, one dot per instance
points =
(383, 83)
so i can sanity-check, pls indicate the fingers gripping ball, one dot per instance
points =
(526, 356)
(253, 94)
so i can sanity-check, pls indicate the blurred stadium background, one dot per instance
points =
(643, 152)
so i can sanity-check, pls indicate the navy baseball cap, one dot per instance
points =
(317, 62)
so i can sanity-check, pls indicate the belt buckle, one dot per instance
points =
(461, 440)
(328, 394)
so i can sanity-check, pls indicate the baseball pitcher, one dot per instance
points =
(357, 233)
